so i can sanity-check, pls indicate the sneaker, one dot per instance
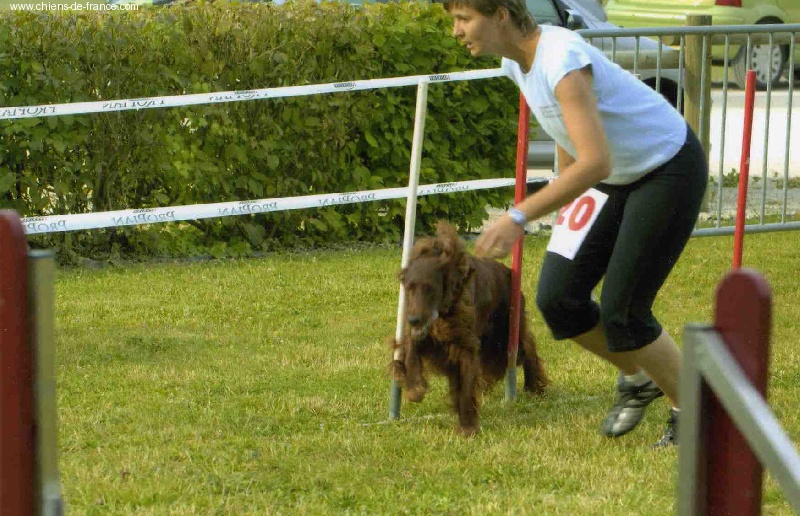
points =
(670, 437)
(628, 410)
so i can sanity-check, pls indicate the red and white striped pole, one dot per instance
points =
(744, 169)
(516, 252)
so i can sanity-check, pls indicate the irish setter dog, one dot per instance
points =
(457, 325)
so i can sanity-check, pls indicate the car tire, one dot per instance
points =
(769, 66)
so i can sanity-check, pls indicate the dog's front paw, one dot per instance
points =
(415, 394)
(392, 343)
(397, 370)
(469, 431)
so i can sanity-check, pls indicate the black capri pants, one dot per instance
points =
(635, 240)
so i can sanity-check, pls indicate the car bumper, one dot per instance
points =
(631, 18)
(634, 19)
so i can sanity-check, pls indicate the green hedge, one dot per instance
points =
(248, 150)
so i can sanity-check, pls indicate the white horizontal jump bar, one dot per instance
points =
(106, 219)
(104, 106)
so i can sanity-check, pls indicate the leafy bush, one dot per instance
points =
(245, 150)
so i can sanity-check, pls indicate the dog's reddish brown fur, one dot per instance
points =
(457, 323)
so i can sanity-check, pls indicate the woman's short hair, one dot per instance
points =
(520, 15)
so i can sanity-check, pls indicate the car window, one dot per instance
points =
(544, 12)
(587, 8)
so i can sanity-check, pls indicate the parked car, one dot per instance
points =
(769, 66)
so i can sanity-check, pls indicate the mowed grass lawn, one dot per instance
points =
(259, 386)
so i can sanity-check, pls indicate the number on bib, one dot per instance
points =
(574, 222)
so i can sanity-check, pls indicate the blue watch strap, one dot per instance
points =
(517, 216)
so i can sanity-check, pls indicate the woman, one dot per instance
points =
(631, 180)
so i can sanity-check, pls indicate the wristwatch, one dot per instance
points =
(517, 216)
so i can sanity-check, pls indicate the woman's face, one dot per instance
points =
(480, 34)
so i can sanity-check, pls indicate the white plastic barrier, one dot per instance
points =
(61, 223)
(221, 97)
(130, 217)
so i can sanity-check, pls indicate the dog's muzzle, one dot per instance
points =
(419, 331)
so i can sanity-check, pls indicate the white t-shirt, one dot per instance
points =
(643, 130)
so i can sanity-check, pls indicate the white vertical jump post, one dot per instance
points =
(408, 232)
(515, 311)
(29, 481)
(727, 430)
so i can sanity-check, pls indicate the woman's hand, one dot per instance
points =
(497, 240)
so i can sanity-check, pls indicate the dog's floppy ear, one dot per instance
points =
(425, 246)
(467, 272)
(455, 262)
(463, 271)
(459, 274)
(448, 240)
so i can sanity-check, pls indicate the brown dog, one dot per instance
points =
(457, 316)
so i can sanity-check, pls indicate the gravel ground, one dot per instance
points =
(755, 194)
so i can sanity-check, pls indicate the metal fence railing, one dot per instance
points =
(679, 62)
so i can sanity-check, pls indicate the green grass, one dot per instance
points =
(259, 386)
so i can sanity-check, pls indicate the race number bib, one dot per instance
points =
(574, 222)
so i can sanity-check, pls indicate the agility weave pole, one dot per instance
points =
(395, 396)
(744, 168)
(515, 311)
(408, 232)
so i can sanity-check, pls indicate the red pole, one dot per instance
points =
(516, 252)
(16, 375)
(743, 317)
(744, 168)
